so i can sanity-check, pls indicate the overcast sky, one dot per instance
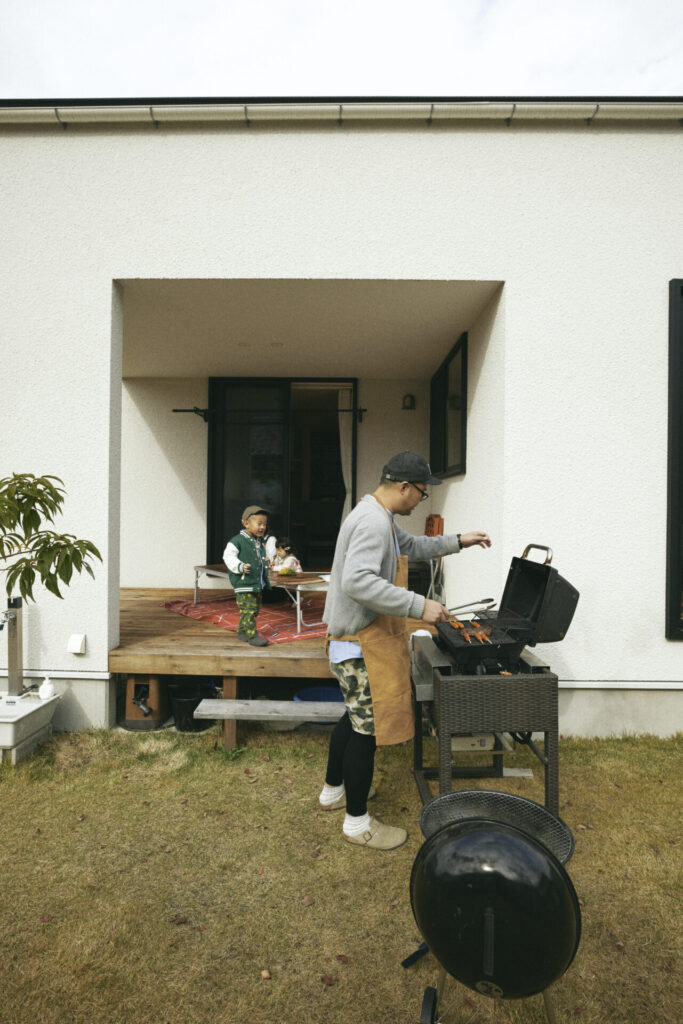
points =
(181, 48)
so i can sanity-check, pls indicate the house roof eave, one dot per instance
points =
(329, 110)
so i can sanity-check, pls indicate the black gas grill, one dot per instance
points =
(537, 606)
(477, 676)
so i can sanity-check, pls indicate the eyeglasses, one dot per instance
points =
(424, 494)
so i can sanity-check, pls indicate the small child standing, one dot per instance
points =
(285, 557)
(245, 557)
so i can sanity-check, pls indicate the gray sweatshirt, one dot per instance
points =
(362, 580)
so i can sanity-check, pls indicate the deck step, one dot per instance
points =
(271, 710)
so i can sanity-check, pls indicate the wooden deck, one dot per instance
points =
(156, 641)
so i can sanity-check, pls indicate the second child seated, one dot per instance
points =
(245, 557)
(285, 558)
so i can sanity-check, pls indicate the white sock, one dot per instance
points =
(354, 826)
(330, 794)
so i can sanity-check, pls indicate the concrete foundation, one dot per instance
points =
(584, 710)
(614, 711)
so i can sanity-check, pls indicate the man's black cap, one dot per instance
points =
(411, 467)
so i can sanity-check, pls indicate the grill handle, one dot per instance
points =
(540, 547)
(489, 924)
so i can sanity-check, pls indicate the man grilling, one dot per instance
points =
(365, 611)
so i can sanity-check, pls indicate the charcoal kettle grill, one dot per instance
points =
(492, 898)
(497, 910)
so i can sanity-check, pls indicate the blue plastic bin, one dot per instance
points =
(323, 693)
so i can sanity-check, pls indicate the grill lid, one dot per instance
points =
(537, 604)
(495, 907)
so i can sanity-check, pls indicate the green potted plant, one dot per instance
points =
(29, 549)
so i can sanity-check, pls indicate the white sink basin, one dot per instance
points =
(24, 721)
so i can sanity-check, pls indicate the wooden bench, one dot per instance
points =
(234, 710)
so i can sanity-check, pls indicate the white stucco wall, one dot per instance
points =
(567, 429)
(163, 489)
(387, 429)
(475, 501)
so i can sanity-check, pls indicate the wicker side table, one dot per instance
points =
(498, 704)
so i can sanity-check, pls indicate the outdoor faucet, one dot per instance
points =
(140, 703)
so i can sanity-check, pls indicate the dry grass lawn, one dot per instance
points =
(149, 878)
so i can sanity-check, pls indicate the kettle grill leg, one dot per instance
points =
(549, 1007)
(429, 1004)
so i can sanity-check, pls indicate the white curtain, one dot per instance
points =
(345, 401)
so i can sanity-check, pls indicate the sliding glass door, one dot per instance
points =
(286, 444)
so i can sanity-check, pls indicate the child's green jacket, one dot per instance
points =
(245, 549)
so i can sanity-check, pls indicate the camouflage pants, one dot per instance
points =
(249, 606)
(352, 677)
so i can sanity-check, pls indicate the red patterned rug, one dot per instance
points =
(276, 622)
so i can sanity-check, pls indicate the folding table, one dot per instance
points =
(295, 587)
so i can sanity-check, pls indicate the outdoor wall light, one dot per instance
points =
(408, 402)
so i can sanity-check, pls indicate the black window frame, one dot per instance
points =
(438, 414)
(674, 545)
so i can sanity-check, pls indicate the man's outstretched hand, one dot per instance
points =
(468, 540)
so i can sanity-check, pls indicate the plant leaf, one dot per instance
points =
(52, 585)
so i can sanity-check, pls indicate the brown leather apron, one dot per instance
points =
(386, 652)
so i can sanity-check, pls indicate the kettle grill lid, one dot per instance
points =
(496, 908)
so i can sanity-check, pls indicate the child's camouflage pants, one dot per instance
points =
(249, 606)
